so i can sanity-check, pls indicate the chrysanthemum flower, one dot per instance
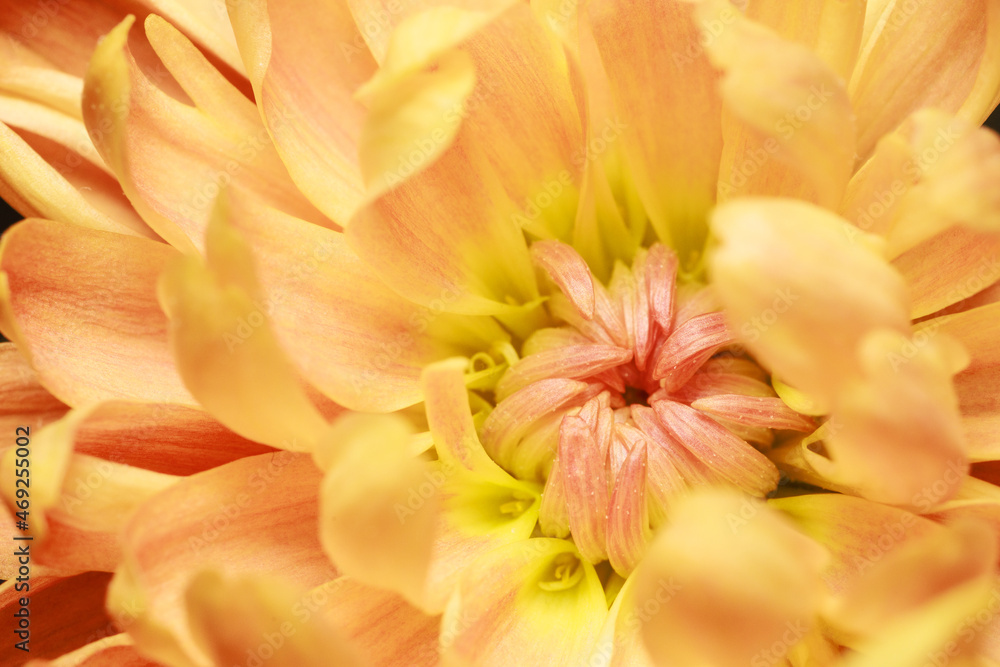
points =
(620, 333)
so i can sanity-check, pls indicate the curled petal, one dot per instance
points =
(569, 271)
(305, 67)
(728, 456)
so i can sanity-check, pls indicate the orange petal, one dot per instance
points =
(63, 614)
(789, 126)
(225, 348)
(23, 400)
(741, 578)
(976, 385)
(902, 409)
(349, 335)
(569, 271)
(925, 55)
(118, 346)
(717, 448)
(949, 268)
(668, 110)
(385, 629)
(261, 617)
(909, 579)
(583, 465)
(830, 28)
(305, 67)
(248, 516)
(217, 142)
(427, 239)
(628, 519)
(114, 651)
(786, 273)
(64, 37)
(857, 532)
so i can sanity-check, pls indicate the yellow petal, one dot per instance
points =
(831, 28)
(668, 110)
(216, 142)
(260, 617)
(534, 601)
(225, 348)
(917, 55)
(384, 627)
(366, 526)
(743, 578)
(788, 274)
(305, 66)
(789, 127)
(857, 532)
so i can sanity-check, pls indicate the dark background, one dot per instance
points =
(9, 216)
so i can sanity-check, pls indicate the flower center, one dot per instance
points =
(635, 394)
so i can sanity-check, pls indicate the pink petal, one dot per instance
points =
(568, 270)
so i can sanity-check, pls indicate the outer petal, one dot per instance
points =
(114, 651)
(925, 55)
(217, 142)
(831, 28)
(976, 386)
(744, 576)
(664, 92)
(533, 602)
(350, 336)
(64, 36)
(305, 67)
(64, 614)
(787, 274)
(789, 129)
(858, 533)
(92, 330)
(261, 616)
(226, 350)
(23, 400)
(901, 408)
(382, 626)
(81, 194)
(938, 582)
(456, 226)
(249, 516)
